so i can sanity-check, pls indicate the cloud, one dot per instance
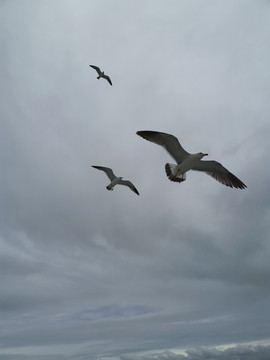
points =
(238, 352)
(90, 273)
(243, 352)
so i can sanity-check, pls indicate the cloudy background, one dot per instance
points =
(181, 272)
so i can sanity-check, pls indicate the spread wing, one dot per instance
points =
(107, 78)
(96, 68)
(220, 173)
(130, 185)
(107, 170)
(169, 142)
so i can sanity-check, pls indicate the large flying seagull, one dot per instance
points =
(186, 161)
(116, 180)
(101, 74)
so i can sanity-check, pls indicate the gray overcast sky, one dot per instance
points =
(92, 274)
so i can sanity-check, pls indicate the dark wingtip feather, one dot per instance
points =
(231, 180)
(144, 133)
(236, 183)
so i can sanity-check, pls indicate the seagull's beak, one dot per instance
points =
(205, 154)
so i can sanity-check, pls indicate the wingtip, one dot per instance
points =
(109, 80)
(140, 132)
(237, 183)
(243, 187)
(144, 133)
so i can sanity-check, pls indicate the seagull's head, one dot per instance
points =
(202, 155)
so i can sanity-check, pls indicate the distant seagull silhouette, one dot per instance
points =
(101, 74)
(186, 161)
(116, 180)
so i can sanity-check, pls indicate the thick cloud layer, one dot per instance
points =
(88, 273)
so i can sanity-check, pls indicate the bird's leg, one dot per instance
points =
(183, 177)
(177, 171)
(180, 177)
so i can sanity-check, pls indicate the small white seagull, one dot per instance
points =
(101, 74)
(186, 161)
(116, 180)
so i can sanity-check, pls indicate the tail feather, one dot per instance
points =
(169, 171)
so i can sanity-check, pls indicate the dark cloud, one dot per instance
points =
(90, 273)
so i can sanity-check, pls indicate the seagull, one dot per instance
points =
(186, 161)
(116, 180)
(101, 74)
